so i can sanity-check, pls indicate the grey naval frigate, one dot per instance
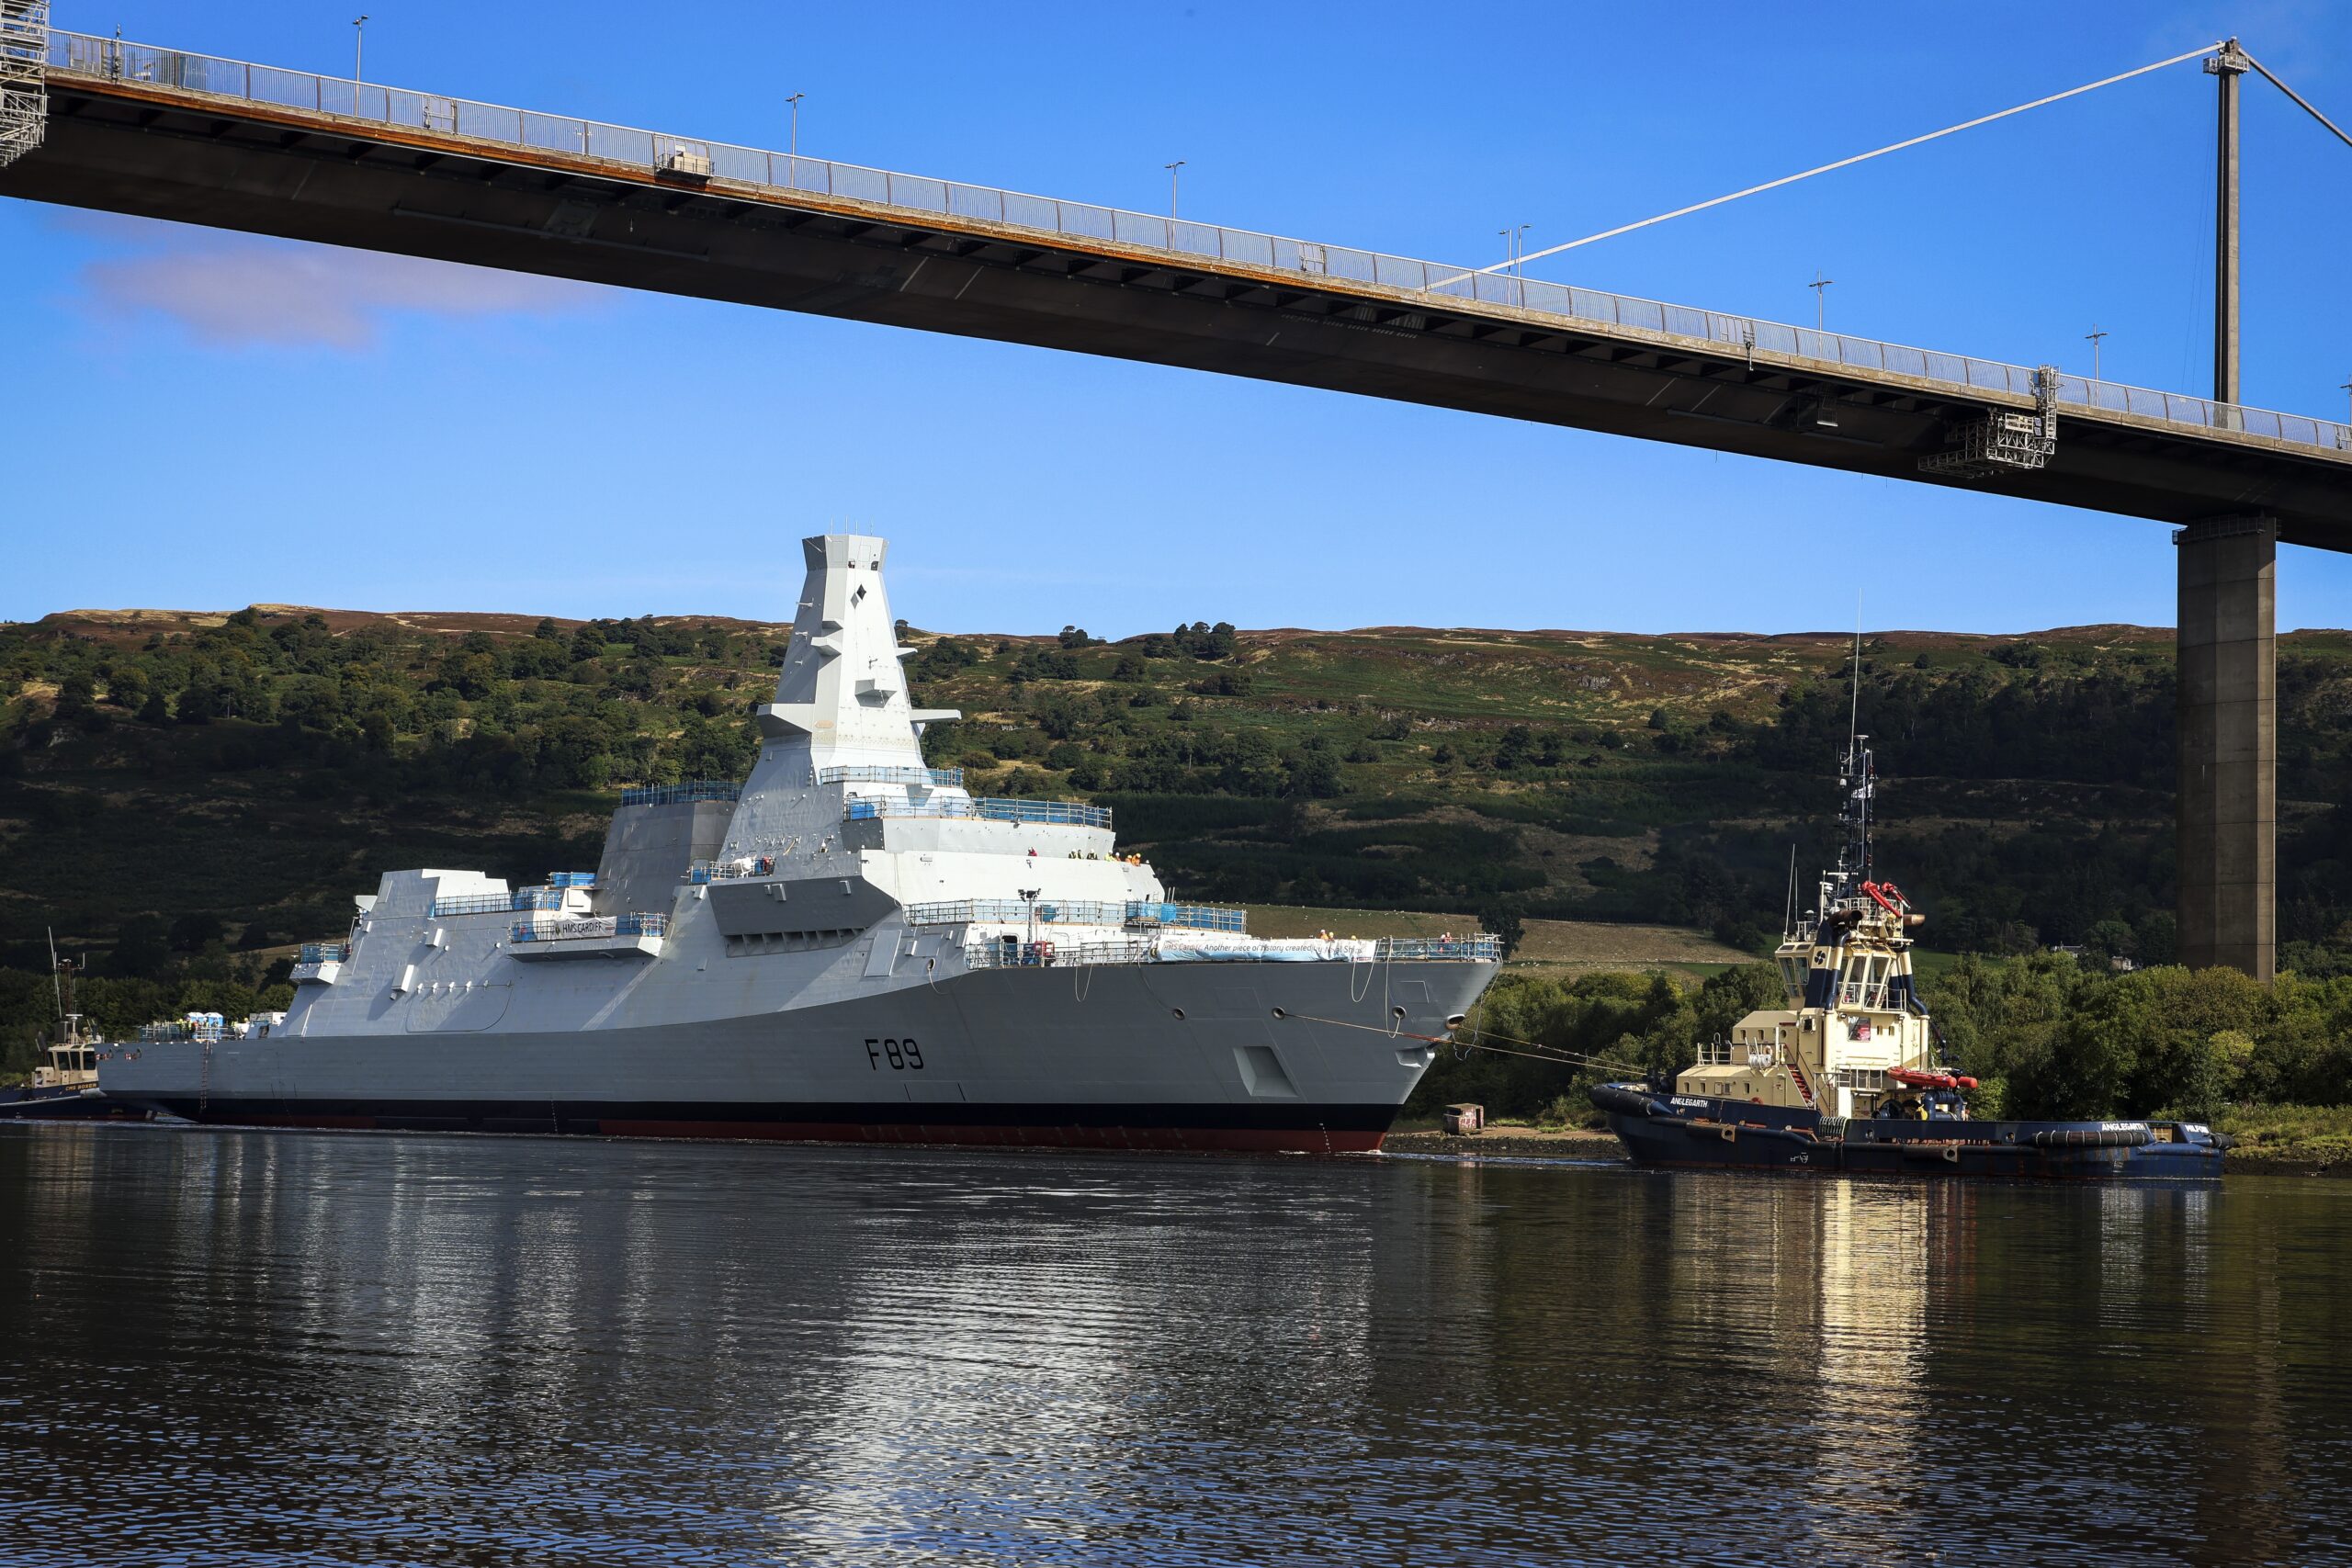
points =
(848, 945)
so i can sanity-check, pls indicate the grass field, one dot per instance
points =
(2289, 1136)
(1564, 947)
(1577, 947)
(1293, 919)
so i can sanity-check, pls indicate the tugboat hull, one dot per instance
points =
(1685, 1132)
(70, 1104)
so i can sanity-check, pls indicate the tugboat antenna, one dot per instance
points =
(1789, 908)
(1857, 771)
(69, 1023)
(1854, 714)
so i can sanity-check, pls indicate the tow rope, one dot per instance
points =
(1537, 1051)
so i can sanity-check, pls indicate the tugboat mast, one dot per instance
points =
(60, 979)
(1857, 782)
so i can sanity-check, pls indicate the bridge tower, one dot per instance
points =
(2226, 643)
(24, 67)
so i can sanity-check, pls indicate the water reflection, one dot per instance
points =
(289, 1348)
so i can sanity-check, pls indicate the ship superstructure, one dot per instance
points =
(847, 945)
(1853, 1013)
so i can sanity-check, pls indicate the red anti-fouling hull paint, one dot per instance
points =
(1340, 1128)
(1309, 1140)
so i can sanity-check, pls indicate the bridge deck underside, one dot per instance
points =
(156, 154)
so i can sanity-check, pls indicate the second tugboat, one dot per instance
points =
(1846, 1078)
(66, 1089)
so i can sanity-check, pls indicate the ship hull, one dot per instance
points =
(1684, 1134)
(1309, 1058)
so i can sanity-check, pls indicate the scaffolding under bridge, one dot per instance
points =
(24, 73)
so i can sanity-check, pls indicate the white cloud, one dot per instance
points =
(240, 289)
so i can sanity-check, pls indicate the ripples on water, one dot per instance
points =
(242, 1348)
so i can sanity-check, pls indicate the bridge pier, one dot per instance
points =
(2228, 711)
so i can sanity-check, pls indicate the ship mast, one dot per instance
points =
(1857, 782)
(60, 979)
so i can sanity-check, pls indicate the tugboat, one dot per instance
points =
(65, 1088)
(1848, 1077)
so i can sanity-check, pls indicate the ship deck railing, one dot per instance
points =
(1861, 994)
(501, 903)
(206, 1031)
(927, 778)
(324, 953)
(1057, 812)
(1136, 914)
(1474, 949)
(1038, 954)
(692, 789)
(1011, 952)
(703, 871)
(648, 923)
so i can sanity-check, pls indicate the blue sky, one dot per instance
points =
(207, 421)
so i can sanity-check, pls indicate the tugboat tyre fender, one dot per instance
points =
(1627, 1102)
(2092, 1138)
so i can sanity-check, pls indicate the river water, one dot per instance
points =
(282, 1348)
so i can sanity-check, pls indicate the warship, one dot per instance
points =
(1849, 1075)
(847, 945)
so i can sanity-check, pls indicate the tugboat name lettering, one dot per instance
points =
(902, 1054)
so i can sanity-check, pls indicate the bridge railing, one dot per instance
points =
(1421, 281)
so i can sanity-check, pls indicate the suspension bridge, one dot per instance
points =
(101, 123)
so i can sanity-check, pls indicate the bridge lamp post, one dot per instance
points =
(1513, 245)
(795, 101)
(1172, 169)
(1820, 286)
(2092, 338)
(358, 46)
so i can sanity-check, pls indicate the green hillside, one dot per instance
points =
(178, 788)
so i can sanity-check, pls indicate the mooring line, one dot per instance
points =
(1558, 1055)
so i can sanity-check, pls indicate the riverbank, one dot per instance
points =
(2289, 1140)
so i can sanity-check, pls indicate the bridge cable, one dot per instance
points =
(1848, 163)
(2297, 97)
